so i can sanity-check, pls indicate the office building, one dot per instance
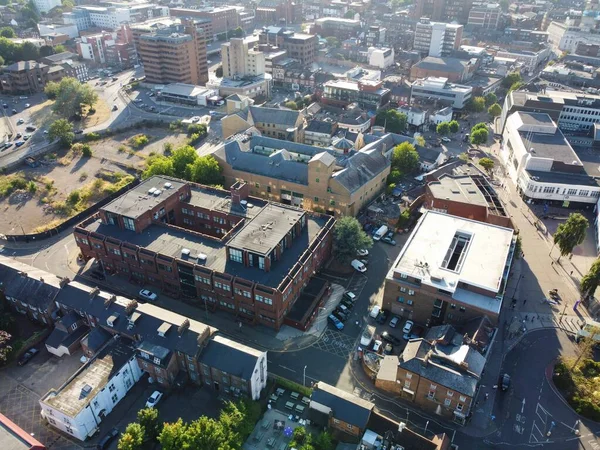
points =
(443, 10)
(544, 166)
(239, 60)
(564, 37)
(43, 6)
(441, 91)
(29, 77)
(436, 38)
(85, 399)
(530, 60)
(175, 54)
(222, 18)
(367, 94)
(258, 86)
(485, 15)
(223, 249)
(572, 111)
(319, 133)
(299, 46)
(450, 270)
(111, 17)
(337, 27)
(382, 58)
(109, 47)
(454, 69)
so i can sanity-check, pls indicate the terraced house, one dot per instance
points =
(223, 249)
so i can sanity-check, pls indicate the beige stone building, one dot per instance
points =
(302, 175)
(283, 124)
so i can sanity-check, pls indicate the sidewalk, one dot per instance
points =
(285, 340)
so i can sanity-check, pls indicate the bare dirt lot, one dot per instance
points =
(35, 199)
(42, 116)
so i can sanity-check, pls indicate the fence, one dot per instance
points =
(69, 222)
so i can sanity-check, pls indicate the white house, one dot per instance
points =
(85, 399)
(544, 166)
(442, 115)
(382, 58)
(415, 116)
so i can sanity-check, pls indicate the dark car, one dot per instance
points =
(107, 438)
(27, 356)
(97, 275)
(505, 382)
(382, 317)
(390, 338)
(14, 111)
(340, 315)
(30, 128)
(347, 303)
(78, 131)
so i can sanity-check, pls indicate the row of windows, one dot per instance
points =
(565, 191)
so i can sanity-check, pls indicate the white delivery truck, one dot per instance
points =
(381, 232)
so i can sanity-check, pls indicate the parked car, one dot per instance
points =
(27, 105)
(8, 145)
(78, 131)
(20, 121)
(375, 311)
(505, 382)
(343, 308)
(30, 128)
(147, 295)
(446, 139)
(19, 143)
(335, 322)
(347, 303)
(154, 399)
(26, 137)
(115, 107)
(358, 266)
(390, 338)
(388, 240)
(351, 296)
(107, 439)
(18, 135)
(408, 326)
(27, 356)
(388, 349)
(377, 345)
(394, 321)
(367, 336)
(340, 315)
(14, 111)
(382, 317)
(363, 252)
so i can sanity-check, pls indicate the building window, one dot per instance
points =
(317, 180)
(450, 393)
(115, 398)
(411, 292)
(407, 384)
(431, 395)
(129, 223)
(459, 407)
(235, 255)
(316, 199)
(462, 398)
(156, 360)
(402, 289)
(410, 302)
(111, 388)
(462, 309)
(447, 402)
(51, 420)
(331, 202)
(403, 275)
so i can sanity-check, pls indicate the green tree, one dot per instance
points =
(516, 86)
(68, 4)
(182, 158)
(443, 128)
(159, 165)
(69, 96)
(332, 42)
(206, 433)
(7, 32)
(8, 49)
(590, 281)
(59, 48)
(174, 436)
(5, 349)
(350, 14)
(511, 79)
(219, 72)
(479, 136)
(62, 130)
(133, 438)
(349, 238)
(324, 441)
(46, 50)
(291, 105)
(405, 158)
(477, 104)
(27, 51)
(479, 126)
(487, 164)
(495, 110)
(392, 120)
(571, 233)
(454, 126)
(420, 140)
(148, 419)
(490, 99)
(206, 170)
(196, 128)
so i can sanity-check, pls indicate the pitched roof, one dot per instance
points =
(24, 65)
(442, 64)
(325, 157)
(277, 116)
(361, 168)
(230, 357)
(320, 126)
(428, 153)
(344, 406)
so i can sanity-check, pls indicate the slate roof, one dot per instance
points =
(96, 339)
(24, 283)
(326, 158)
(24, 65)
(230, 357)
(344, 406)
(320, 126)
(360, 169)
(277, 116)
(442, 64)
(428, 154)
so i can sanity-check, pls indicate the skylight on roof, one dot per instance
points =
(455, 255)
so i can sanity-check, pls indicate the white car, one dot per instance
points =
(358, 266)
(377, 345)
(446, 139)
(367, 336)
(20, 121)
(27, 105)
(154, 399)
(363, 252)
(407, 326)
(147, 295)
(394, 321)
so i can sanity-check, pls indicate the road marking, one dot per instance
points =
(287, 368)
(523, 406)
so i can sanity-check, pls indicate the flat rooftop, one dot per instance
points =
(554, 146)
(460, 189)
(343, 84)
(78, 391)
(182, 89)
(443, 251)
(171, 241)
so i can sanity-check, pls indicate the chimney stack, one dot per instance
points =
(239, 191)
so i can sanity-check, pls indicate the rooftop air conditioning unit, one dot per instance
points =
(168, 186)
(151, 191)
(185, 252)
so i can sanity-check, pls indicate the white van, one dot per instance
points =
(375, 311)
(381, 232)
(358, 266)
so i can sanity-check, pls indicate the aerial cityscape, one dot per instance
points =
(299, 225)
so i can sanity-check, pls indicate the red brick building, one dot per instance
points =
(223, 249)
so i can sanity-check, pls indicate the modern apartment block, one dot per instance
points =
(436, 38)
(239, 60)
(111, 17)
(300, 46)
(222, 18)
(338, 27)
(485, 15)
(369, 95)
(438, 88)
(43, 6)
(544, 166)
(221, 249)
(443, 10)
(175, 54)
(450, 270)
(29, 77)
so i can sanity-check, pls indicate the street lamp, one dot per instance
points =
(517, 286)
(304, 377)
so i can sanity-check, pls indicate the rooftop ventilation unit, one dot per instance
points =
(157, 192)
(185, 252)
(151, 191)
(202, 257)
(168, 186)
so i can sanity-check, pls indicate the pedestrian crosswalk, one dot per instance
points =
(529, 321)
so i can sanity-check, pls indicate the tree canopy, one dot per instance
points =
(148, 419)
(479, 136)
(590, 281)
(511, 79)
(132, 438)
(490, 99)
(487, 164)
(12, 52)
(70, 96)
(392, 120)
(62, 130)
(495, 110)
(454, 126)
(476, 104)
(7, 32)
(443, 128)
(405, 158)
(571, 233)
(349, 238)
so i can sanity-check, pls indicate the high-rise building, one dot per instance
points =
(485, 15)
(223, 18)
(240, 60)
(436, 38)
(446, 10)
(175, 54)
(300, 46)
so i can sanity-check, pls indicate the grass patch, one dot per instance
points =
(10, 183)
(580, 385)
(139, 141)
(287, 384)
(48, 226)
